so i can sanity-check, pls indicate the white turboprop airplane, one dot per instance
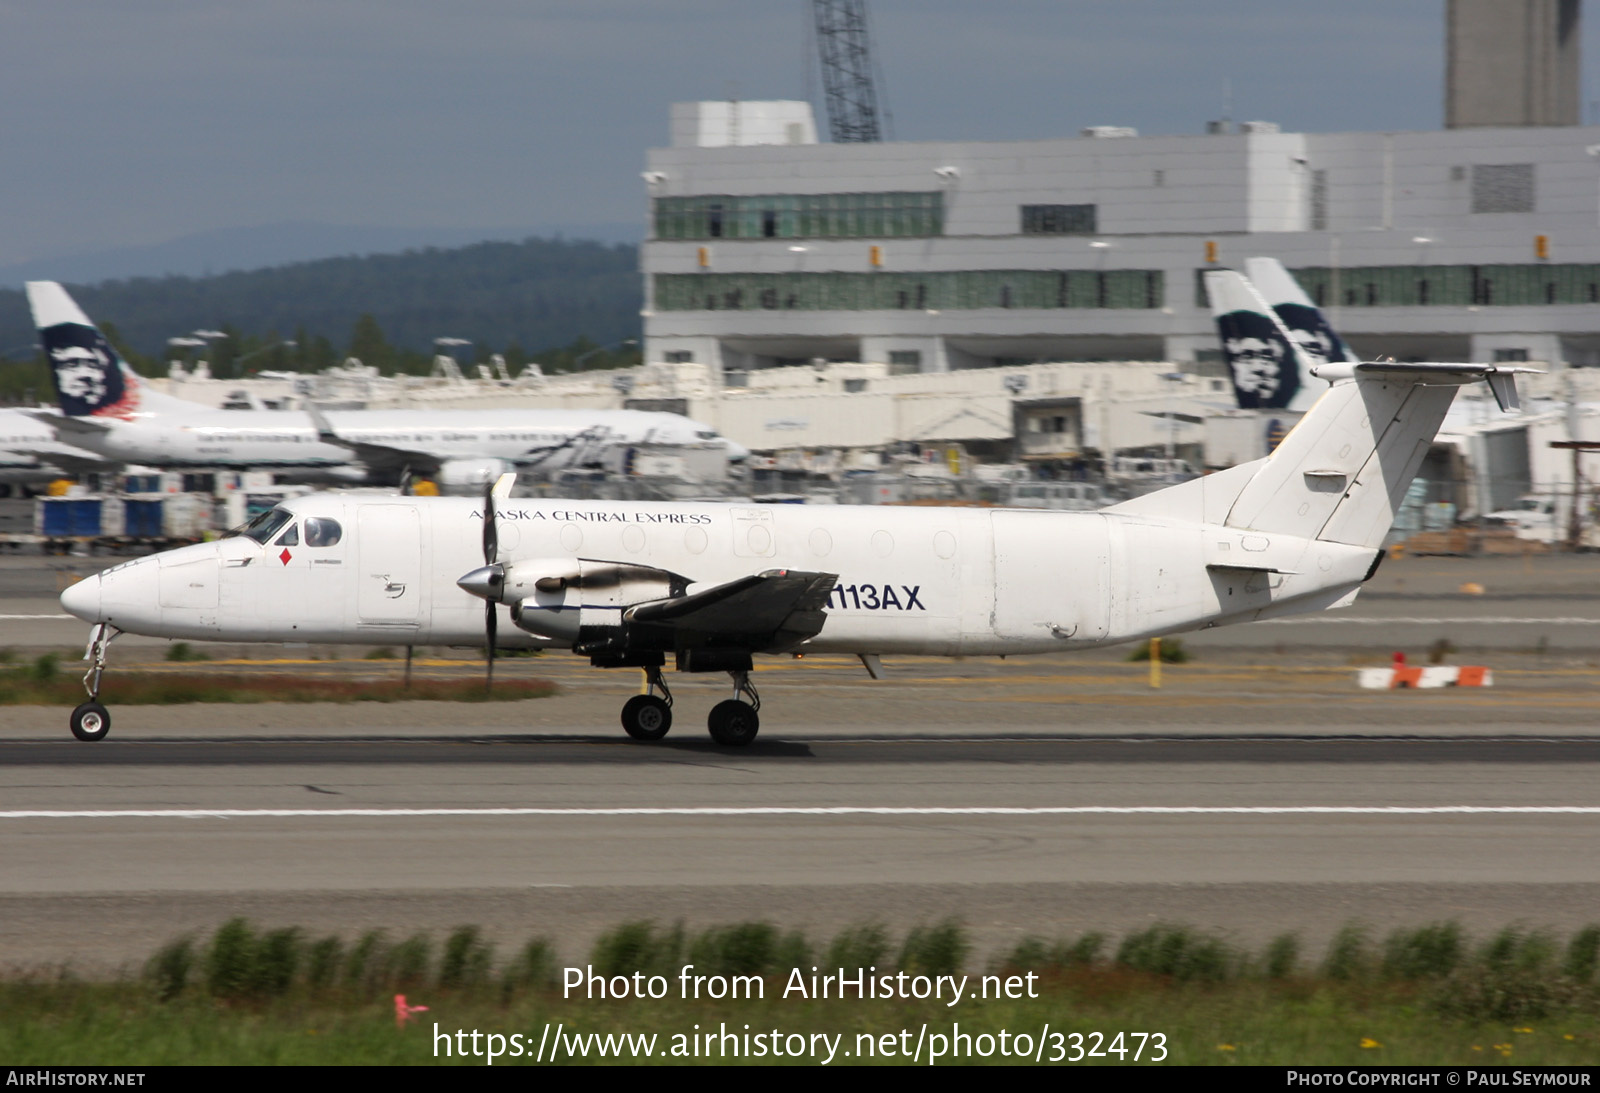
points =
(107, 409)
(629, 584)
(1274, 339)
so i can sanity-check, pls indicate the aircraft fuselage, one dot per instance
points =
(938, 581)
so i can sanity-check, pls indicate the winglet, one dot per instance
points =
(325, 432)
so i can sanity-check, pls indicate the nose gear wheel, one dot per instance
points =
(90, 720)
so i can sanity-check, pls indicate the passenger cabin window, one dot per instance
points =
(322, 532)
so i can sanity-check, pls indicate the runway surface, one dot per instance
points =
(1043, 795)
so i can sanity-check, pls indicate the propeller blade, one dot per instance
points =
(491, 622)
(491, 551)
(491, 533)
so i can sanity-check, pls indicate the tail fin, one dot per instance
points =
(91, 378)
(1342, 473)
(1308, 329)
(1266, 372)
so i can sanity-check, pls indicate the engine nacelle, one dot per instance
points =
(469, 476)
(545, 597)
(560, 598)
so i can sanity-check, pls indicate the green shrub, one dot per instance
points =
(277, 960)
(637, 947)
(935, 950)
(1179, 952)
(1172, 652)
(467, 959)
(1583, 955)
(409, 963)
(168, 970)
(534, 968)
(364, 968)
(1282, 957)
(793, 951)
(863, 946)
(1349, 954)
(1427, 952)
(231, 961)
(322, 963)
(749, 948)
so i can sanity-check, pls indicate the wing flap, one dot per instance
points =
(772, 610)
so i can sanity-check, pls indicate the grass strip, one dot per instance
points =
(1424, 996)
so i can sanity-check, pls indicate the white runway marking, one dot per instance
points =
(780, 810)
(69, 618)
(1460, 620)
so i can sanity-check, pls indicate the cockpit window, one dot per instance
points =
(706, 434)
(290, 537)
(263, 527)
(322, 532)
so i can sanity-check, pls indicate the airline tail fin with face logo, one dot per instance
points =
(1264, 364)
(91, 378)
(1307, 327)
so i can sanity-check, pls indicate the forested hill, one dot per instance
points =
(531, 295)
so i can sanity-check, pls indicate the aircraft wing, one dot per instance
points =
(65, 425)
(767, 612)
(64, 456)
(379, 458)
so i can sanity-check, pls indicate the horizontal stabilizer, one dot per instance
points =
(1502, 379)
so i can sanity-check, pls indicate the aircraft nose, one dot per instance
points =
(737, 453)
(83, 599)
(485, 582)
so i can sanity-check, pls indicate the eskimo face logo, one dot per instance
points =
(1257, 365)
(81, 373)
(1316, 345)
(1311, 333)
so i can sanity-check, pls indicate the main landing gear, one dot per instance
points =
(649, 716)
(733, 722)
(90, 720)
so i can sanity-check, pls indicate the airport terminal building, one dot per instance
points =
(766, 247)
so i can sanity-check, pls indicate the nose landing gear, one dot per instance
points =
(90, 720)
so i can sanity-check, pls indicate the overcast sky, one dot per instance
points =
(134, 121)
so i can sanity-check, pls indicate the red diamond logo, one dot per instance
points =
(285, 556)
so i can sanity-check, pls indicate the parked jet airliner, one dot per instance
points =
(107, 409)
(628, 584)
